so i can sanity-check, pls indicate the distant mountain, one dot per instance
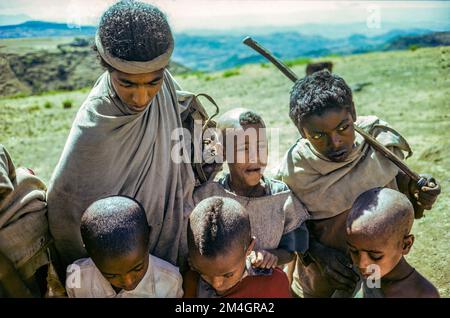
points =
(32, 29)
(330, 31)
(60, 64)
(209, 52)
(222, 52)
(433, 39)
(216, 50)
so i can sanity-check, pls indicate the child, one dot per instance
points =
(276, 216)
(116, 235)
(219, 242)
(378, 229)
(328, 168)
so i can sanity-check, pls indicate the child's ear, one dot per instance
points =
(251, 246)
(408, 242)
(353, 111)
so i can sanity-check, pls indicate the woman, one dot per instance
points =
(120, 141)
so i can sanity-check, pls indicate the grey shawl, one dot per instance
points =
(112, 150)
(24, 235)
(271, 216)
(329, 188)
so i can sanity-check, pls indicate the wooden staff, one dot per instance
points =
(420, 181)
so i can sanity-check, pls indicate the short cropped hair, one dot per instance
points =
(381, 212)
(114, 226)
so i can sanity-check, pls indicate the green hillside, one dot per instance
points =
(409, 89)
(37, 65)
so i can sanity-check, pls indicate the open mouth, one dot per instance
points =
(253, 170)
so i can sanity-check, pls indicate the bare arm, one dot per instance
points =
(190, 282)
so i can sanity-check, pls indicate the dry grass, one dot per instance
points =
(409, 89)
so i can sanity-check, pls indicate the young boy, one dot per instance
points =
(220, 241)
(328, 168)
(378, 229)
(276, 215)
(116, 235)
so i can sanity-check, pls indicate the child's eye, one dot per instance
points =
(343, 128)
(228, 275)
(317, 136)
(155, 83)
(376, 257)
(138, 269)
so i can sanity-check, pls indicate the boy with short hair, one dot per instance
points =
(378, 237)
(328, 168)
(116, 235)
(220, 242)
(276, 215)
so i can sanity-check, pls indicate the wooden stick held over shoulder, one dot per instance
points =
(369, 139)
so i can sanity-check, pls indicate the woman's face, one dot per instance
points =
(137, 90)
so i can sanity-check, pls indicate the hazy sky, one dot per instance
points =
(226, 14)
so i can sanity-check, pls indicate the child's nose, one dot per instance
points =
(336, 140)
(364, 261)
(217, 282)
(128, 282)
